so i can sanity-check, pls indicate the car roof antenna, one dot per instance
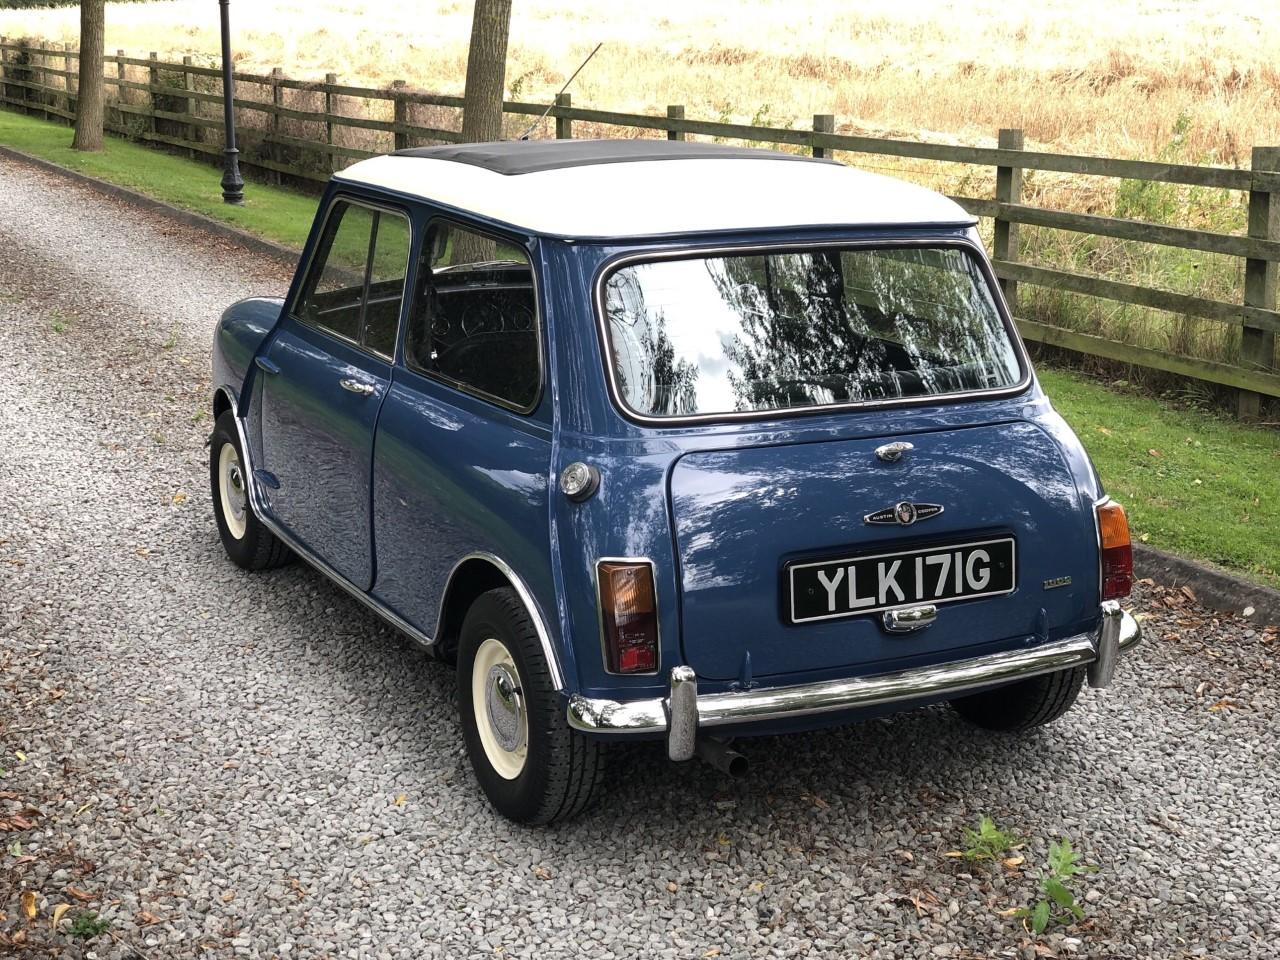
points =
(550, 106)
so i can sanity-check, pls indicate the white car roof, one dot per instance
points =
(603, 189)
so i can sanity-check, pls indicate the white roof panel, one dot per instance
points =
(680, 194)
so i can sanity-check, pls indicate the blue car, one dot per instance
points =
(671, 441)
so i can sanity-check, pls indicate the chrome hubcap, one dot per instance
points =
(497, 703)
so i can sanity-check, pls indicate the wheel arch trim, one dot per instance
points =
(526, 598)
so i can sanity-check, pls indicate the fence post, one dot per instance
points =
(72, 83)
(823, 123)
(277, 101)
(189, 84)
(675, 112)
(400, 114)
(564, 125)
(24, 73)
(329, 80)
(1258, 347)
(120, 95)
(153, 98)
(4, 68)
(1004, 245)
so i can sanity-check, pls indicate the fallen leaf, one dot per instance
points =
(22, 757)
(58, 912)
(713, 952)
(1197, 483)
(1010, 912)
(906, 856)
(1188, 593)
(179, 498)
(80, 895)
(228, 896)
(1013, 863)
(1104, 431)
(954, 853)
(542, 873)
(1155, 453)
(1248, 611)
(1145, 537)
(1221, 705)
(401, 799)
(29, 907)
(146, 918)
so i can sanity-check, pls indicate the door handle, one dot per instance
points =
(357, 386)
(265, 365)
(906, 619)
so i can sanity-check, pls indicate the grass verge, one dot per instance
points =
(1193, 483)
(270, 212)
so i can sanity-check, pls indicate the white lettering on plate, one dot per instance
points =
(944, 559)
(831, 583)
(855, 601)
(980, 579)
(889, 581)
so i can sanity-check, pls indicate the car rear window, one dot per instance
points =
(787, 330)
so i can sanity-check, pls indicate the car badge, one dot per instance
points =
(904, 514)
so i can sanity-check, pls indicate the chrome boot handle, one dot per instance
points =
(906, 619)
(357, 386)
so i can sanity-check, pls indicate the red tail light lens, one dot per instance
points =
(629, 616)
(1117, 551)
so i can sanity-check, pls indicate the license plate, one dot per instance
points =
(854, 586)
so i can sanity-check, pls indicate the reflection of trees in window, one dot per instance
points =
(644, 358)
(829, 326)
(798, 342)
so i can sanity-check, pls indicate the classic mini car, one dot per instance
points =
(672, 441)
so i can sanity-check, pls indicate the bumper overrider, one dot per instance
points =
(683, 714)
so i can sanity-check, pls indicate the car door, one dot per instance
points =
(463, 451)
(327, 372)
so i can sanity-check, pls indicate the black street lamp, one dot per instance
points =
(232, 182)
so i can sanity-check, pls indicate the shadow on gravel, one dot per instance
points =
(890, 767)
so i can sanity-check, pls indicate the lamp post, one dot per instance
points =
(232, 183)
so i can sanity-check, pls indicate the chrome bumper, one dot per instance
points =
(683, 713)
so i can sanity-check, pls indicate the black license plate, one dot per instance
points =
(854, 586)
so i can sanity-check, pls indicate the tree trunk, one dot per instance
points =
(93, 93)
(486, 71)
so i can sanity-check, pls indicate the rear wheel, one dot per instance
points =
(245, 538)
(531, 765)
(1025, 704)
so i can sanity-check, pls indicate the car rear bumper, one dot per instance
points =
(683, 713)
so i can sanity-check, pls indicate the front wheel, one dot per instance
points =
(531, 765)
(1025, 704)
(245, 538)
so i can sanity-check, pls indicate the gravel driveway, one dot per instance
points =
(234, 765)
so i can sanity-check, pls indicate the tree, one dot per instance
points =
(486, 71)
(91, 101)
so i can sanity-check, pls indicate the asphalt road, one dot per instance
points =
(232, 765)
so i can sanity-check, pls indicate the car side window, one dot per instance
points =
(357, 278)
(474, 321)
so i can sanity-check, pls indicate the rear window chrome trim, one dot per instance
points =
(610, 267)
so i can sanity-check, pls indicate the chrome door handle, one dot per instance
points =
(906, 619)
(357, 386)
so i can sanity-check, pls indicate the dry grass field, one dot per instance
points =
(1114, 77)
(1180, 80)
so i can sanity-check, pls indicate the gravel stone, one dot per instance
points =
(213, 758)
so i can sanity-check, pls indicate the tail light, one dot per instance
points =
(1117, 552)
(628, 615)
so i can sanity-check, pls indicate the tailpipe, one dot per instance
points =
(718, 754)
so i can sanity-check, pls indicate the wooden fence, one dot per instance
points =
(305, 130)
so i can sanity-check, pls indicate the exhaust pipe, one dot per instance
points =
(718, 754)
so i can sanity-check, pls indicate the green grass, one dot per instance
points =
(1231, 516)
(270, 212)
(1192, 483)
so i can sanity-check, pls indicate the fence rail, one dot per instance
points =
(306, 129)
